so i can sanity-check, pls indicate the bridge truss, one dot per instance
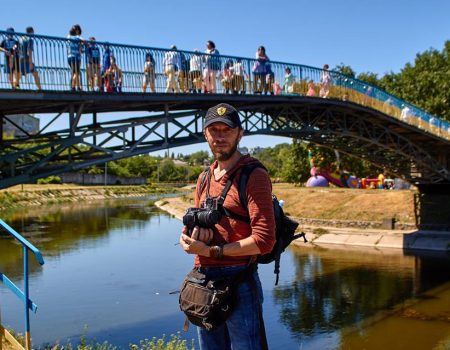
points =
(91, 129)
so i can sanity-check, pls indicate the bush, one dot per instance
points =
(50, 180)
(175, 343)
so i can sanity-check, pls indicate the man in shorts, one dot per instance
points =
(93, 65)
(10, 47)
(27, 66)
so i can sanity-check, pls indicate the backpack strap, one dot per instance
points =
(242, 190)
(205, 178)
(243, 180)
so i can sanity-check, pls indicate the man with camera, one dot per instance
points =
(225, 245)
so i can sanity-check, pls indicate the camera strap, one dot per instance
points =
(205, 182)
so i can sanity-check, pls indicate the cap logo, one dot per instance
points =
(221, 111)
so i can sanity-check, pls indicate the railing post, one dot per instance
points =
(27, 300)
(250, 85)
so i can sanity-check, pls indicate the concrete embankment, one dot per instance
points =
(399, 239)
(362, 236)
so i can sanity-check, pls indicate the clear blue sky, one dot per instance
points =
(377, 36)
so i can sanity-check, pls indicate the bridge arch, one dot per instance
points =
(407, 151)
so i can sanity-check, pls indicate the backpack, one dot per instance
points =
(285, 227)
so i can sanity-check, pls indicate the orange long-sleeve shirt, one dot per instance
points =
(260, 211)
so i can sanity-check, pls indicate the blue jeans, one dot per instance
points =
(241, 331)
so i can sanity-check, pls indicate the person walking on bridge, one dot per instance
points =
(106, 63)
(212, 67)
(27, 66)
(239, 77)
(171, 64)
(325, 82)
(10, 47)
(227, 249)
(113, 77)
(74, 51)
(260, 69)
(195, 72)
(93, 65)
(149, 73)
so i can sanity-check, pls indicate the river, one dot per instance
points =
(112, 271)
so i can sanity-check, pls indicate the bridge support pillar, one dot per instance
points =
(432, 207)
(1, 127)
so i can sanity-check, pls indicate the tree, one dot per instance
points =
(295, 167)
(426, 83)
(169, 172)
(368, 77)
(344, 69)
(196, 158)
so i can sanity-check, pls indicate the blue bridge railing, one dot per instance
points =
(178, 71)
(22, 295)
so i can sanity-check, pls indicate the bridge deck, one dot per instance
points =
(15, 102)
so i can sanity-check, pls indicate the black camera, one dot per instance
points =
(201, 217)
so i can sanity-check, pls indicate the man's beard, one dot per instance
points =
(225, 155)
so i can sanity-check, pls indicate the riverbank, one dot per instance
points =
(347, 217)
(37, 195)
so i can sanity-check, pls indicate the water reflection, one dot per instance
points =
(108, 266)
(113, 265)
(338, 291)
(59, 230)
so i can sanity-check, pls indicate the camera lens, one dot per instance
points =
(189, 219)
(209, 218)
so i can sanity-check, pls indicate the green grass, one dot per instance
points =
(173, 343)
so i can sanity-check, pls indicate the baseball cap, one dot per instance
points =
(222, 113)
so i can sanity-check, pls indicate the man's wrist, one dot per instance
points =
(216, 251)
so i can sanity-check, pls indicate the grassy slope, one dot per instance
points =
(346, 204)
(335, 203)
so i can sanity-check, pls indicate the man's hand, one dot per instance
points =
(192, 246)
(200, 234)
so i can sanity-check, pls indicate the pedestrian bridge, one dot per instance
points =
(83, 128)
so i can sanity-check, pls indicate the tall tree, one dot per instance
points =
(369, 77)
(344, 69)
(426, 83)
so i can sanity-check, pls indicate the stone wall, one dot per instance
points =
(354, 224)
(99, 179)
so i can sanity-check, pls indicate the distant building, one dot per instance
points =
(23, 122)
